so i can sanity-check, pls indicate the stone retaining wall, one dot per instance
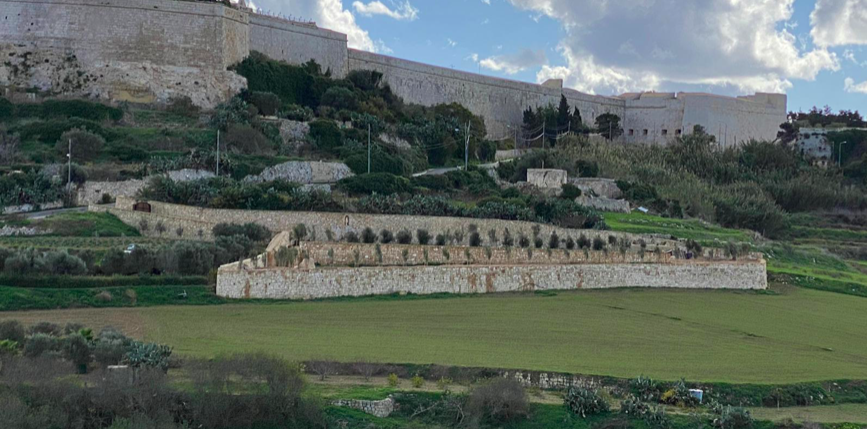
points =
(191, 219)
(349, 254)
(381, 409)
(340, 282)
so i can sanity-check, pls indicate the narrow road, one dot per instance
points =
(48, 213)
(444, 170)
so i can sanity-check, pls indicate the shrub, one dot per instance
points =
(392, 380)
(86, 146)
(423, 236)
(498, 402)
(679, 395)
(587, 168)
(598, 244)
(11, 330)
(585, 402)
(148, 355)
(368, 236)
(380, 162)
(523, 241)
(554, 241)
(266, 102)
(61, 263)
(38, 344)
(728, 417)
(244, 139)
(538, 242)
(440, 240)
(183, 106)
(475, 239)
(351, 237)
(77, 350)
(508, 241)
(378, 183)
(385, 236)
(325, 135)
(404, 237)
(570, 243)
(46, 328)
(570, 192)
(645, 389)
(417, 381)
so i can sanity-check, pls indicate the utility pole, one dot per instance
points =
(69, 166)
(840, 154)
(368, 148)
(467, 148)
(218, 153)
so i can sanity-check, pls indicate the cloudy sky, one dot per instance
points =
(814, 50)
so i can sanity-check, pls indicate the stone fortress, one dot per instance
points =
(151, 51)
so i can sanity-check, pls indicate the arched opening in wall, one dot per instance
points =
(678, 132)
(631, 132)
(346, 220)
(645, 132)
(665, 132)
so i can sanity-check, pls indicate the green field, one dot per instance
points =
(743, 337)
(846, 413)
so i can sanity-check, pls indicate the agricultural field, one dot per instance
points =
(783, 336)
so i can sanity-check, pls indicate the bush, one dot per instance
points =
(266, 102)
(585, 402)
(244, 139)
(423, 237)
(570, 192)
(598, 244)
(182, 106)
(475, 239)
(404, 237)
(252, 231)
(293, 84)
(86, 146)
(339, 98)
(374, 183)
(554, 241)
(38, 344)
(325, 135)
(11, 330)
(587, 168)
(351, 237)
(728, 417)
(77, 350)
(62, 263)
(385, 236)
(79, 175)
(148, 355)
(498, 402)
(393, 380)
(417, 381)
(368, 236)
(380, 162)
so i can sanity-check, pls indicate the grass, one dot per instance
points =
(694, 229)
(88, 224)
(738, 337)
(13, 298)
(846, 413)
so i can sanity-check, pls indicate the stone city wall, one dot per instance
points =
(153, 50)
(287, 283)
(335, 226)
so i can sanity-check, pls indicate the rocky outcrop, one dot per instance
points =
(597, 187)
(303, 172)
(381, 409)
(293, 132)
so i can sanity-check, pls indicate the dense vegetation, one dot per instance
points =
(754, 186)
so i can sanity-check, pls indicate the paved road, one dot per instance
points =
(441, 171)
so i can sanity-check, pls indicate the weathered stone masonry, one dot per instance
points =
(337, 282)
(153, 50)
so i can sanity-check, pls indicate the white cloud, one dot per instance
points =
(849, 85)
(839, 22)
(645, 44)
(451, 43)
(515, 63)
(327, 14)
(403, 11)
(487, 2)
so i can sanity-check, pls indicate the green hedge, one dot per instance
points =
(291, 83)
(375, 183)
(75, 282)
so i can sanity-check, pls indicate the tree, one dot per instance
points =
(788, 132)
(577, 122)
(563, 117)
(86, 145)
(608, 124)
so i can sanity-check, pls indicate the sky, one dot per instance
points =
(813, 50)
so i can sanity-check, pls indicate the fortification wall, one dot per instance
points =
(296, 43)
(500, 101)
(318, 224)
(338, 282)
(735, 120)
(204, 35)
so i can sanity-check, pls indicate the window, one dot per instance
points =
(665, 132)
(678, 132)
(631, 132)
(645, 132)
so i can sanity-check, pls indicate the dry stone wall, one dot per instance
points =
(304, 172)
(288, 283)
(381, 409)
(335, 226)
(349, 254)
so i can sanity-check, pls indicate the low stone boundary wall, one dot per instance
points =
(354, 255)
(335, 226)
(423, 280)
(381, 409)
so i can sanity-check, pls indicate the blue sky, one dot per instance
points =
(814, 50)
